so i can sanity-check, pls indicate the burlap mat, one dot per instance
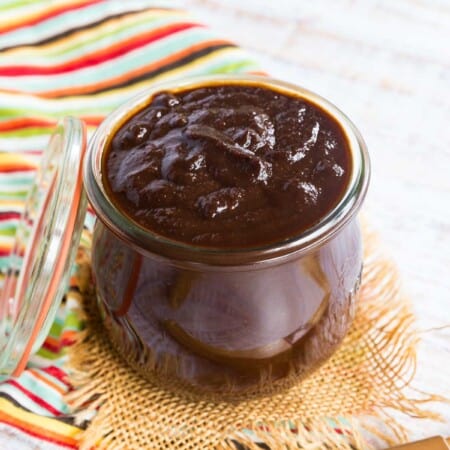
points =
(367, 375)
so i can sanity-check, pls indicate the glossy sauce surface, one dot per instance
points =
(229, 166)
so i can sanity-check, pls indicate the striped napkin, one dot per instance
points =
(81, 58)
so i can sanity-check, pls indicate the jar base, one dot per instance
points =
(224, 383)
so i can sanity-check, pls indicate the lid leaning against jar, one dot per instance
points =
(46, 242)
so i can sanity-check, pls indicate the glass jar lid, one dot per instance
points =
(46, 242)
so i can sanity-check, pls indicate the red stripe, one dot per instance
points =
(65, 342)
(6, 251)
(52, 348)
(9, 215)
(57, 373)
(30, 152)
(48, 15)
(100, 56)
(34, 398)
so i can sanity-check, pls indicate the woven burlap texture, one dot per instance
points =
(367, 374)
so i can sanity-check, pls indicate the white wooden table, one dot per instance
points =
(386, 63)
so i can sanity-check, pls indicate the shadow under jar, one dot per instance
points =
(226, 253)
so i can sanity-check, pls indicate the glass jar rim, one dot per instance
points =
(158, 246)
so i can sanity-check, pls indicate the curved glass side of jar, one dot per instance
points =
(222, 330)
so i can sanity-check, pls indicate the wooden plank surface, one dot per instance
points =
(387, 65)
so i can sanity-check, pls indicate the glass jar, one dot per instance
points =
(224, 321)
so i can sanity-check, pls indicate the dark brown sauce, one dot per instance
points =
(228, 166)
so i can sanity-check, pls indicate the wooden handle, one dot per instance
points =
(434, 443)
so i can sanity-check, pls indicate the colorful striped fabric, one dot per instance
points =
(81, 58)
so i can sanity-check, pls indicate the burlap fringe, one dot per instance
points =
(369, 376)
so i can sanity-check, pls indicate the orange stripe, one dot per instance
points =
(258, 72)
(111, 82)
(32, 122)
(39, 432)
(69, 335)
(46, 381)
(5, 251)
(92, 120)
(65, 335)
(35, 18)
(12, 162)
(24, 122)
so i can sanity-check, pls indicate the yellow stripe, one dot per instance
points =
(60, 44)
(13, 160)
(41, 421)
(7, 205)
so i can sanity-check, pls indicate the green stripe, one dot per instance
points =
(6, 4)
(65, 320)
(47, 354)
(27, 132)
(72, 322)
(17, 195)
(235, 67)
(7, 230)
(56, 328)
(12, 113)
